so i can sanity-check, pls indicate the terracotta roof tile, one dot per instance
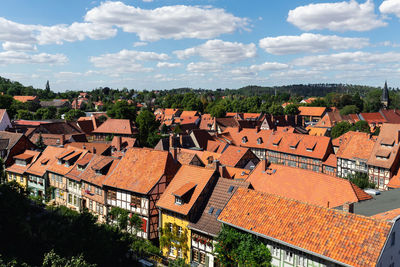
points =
(296, 183)
(331, 161)
(46, 159)
(374, 117)
(387, 215)
(189, 113)
(140, 169)
(89, 174)
(76, 172)
(116, 126)
(357, 145)
(96, 148)
(233, 155)
(25, 98)
(30, 156)
(206, 122)
(391, 115)
(63, 169)
(205, 156)
(348, 238)
(184, 189)
(187, 173)
(312, 111)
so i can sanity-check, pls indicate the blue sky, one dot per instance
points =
(163, 44)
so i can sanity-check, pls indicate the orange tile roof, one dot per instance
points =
(75, 172)
(233, 155)
(185, 157)
(357, 145)
(374, 117)
(186, 174)
(184, 189)
(62, 169)
(387, 215)
(25, 98)
(206, 122)
(47, 158)
(237, 173)
(312, 111)
(187, 120)
(331, 161)
(126, 142)
(388, 131)
(116, 126)
(205, 156)
(247, 116)
(322, 144)
(254, 138)
(213, 146)
(315, 131)
(344, 237)
(189, 113)
(141, 169)
(394, 182)
(97, 148)
(297, 184)
(28, 154)
(170, 111)
(89, 174)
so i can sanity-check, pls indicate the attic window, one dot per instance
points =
(244, 139)
(310, 147)
(20, 162)
(259, 140)
(387, 142)
(218, 212)
(210, 211)
(81, 167)
(231, 189)
(44, 161)
(178, 200)
(294, 144)
(276, 141)
(60, 162)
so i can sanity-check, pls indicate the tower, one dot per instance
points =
(385, 96)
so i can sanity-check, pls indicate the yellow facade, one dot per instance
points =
(19, 178)
(166, 219)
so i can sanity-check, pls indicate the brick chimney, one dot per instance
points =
(118, 142)
(348, 207)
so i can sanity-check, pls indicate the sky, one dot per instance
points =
(164, 44)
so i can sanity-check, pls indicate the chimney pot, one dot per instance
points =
(348, 207)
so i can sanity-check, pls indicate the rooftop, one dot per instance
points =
(116, 126)
(385, 201)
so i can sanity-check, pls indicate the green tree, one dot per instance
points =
(40, 143)
(349, 109)
(291, 110)
(361, 180)
(52, 259)
(74, 114)
(276, 110)
(24, 115)
(47, 87)
(218, 111)
(122, 110)
(235, 247)
(361, 126)
(357, 101)
(148, 128)
(340, 128)
(46, 113)
(2, 174)
(180, 262)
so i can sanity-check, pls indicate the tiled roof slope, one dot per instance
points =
(28, 154)
(205, 156)
(187, 174)
(358, 145)
(140, 169)
(47, 158)
(116, 126)
(344, 237)
(373, 117)
(251, 136)
(232, 155)
(89, 174)
(331, 161)
(220, 196)
(312, 111)
(25, 98)
(305, 185)
(388, 132)
(96, 148)
(67, 153)
(206, 122)
(75, 173)
(391, 115)
(387, 215)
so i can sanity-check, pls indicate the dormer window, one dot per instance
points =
(60, 162)
(20, 162)
(80, 168)
(244, 139)
(178, 200)
(294, 144)
(277, 141)
(259, 140)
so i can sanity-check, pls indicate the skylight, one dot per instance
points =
(210, 211)
(218, 212)
(231, 189)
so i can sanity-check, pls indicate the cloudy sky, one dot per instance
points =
(162, 44)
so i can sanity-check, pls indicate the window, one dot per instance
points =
(21, 178)
(393, 239)
(202, 258)
(180, 255)
(244, 139)
(180, 231)
(90, 205)
(288, 256)
(178, 200)
(69, 198)
(170, 227)
(259, 140)
(231, 189)
(110, 194)
(195, 254)
(75, 200)
(275, 251)
(218, 212)
(135, 201)
(301, 261)
(89, 188)
(172, 251)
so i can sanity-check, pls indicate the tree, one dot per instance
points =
(349, 109)
(2, 174)
(180, 262)
(45, 113)
(74, 114)
(276, 110)
(122, 110)
(361, 126)
(361, 180)
(40, 143)
(235, 247)
(24, 115)
(52, 259)
(47, 87)
(291, 110)
(218, 111)
(340, 128)
(148, 128)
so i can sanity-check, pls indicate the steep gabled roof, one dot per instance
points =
(358, 145)
(66, 154)
(187, 175)
(89, 173)
(298, 184)
(141, 169)
(233, 155)
(29, 156)
(47, 158)
(116, 126)
(312, 111)
(341, 236)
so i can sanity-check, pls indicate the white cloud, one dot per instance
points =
(220, 51)
(168, 22)
(347, 58)
(269, 66)
(168, 65)
(18, 46)
(147, 1)
(137, 44)
(203, 67)
(340, 16)
(126, 61)
(309, 43)
(67, 74)
(390, 7)
(14, 57)
(16, 32)
(295, 73)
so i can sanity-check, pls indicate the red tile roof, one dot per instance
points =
(374, 117)
(189, 113)
(116, 126)
(312, 111)
(25, 98)
(141, 169)
(28, 154)
(391, 115)
(206, 122)
(62, 169)
(387, 215)
(194, 175)
(233, 155)
(331, 161)
(96, 148)
(344, 237)
(357, 145)
(297, 184)
(89, 174)
(46, 159)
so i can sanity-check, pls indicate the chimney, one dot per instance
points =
(222, 171)
(94, 150)
(175, 153)
(216, 165)
(258, 128)
(266, 164)
(94, 122)
(118, 142)
(62, 139)
(328, 205)
(348, 207)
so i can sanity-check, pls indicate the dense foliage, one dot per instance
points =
(361, 180)
(235, 247)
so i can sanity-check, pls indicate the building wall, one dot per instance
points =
(202, 253)
(390, 253)
(166, 218)
(5, 123)
(59, 193)
(19, 178)
(347, 166)
(74, 197)
(37, 185)
(296, 161)
(379, 176)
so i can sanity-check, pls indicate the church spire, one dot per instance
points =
(385, 96)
